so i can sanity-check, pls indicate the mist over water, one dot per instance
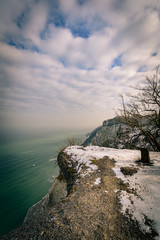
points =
(28, 168)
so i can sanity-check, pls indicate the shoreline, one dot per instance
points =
(88, 199)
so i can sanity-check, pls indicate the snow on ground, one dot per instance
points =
(145, 183)
(98, 181)
(85, 155)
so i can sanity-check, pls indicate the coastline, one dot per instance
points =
(94, 200)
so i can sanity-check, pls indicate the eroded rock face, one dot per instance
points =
(91, 204)
(56, 193)
(113, 133)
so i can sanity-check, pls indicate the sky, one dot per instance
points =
(63, 63)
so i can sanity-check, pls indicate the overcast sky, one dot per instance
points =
(64, 62)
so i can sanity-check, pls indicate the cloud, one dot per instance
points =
(71, 59)
(36, 22)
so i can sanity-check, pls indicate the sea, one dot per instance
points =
(28, 168)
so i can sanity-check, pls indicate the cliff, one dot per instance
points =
(115, 134)
(100, 193)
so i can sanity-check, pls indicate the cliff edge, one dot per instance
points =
(100, 193)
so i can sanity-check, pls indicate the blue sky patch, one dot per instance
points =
(23, 45)
(141, 69)
(81, 31)
(21, 19)
(16, 44)
(59, 20)
(117, 61)
(84, 28)
(64, 62)
(81, 2)
(154, 54)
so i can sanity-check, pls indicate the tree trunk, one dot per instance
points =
(145, 156)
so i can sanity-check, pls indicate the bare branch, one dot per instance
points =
(143, 109)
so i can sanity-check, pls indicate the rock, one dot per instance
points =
(115, 134)
(145, 156)
(56, 193)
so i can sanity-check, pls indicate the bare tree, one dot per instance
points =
(142, 111)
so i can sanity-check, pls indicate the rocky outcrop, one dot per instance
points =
(114, 133)
(56, 193)
(92, 199)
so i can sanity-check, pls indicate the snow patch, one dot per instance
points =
(145, 183)
(98, 181)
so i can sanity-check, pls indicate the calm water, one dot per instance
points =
(28, 168)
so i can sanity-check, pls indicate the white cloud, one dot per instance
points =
(57, 41)
(37, 19)
(49, 69)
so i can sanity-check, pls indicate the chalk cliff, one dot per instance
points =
(114, 133)
(100, 193)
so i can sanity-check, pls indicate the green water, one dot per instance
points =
(28, 168)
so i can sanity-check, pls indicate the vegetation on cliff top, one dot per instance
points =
(142, 111)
